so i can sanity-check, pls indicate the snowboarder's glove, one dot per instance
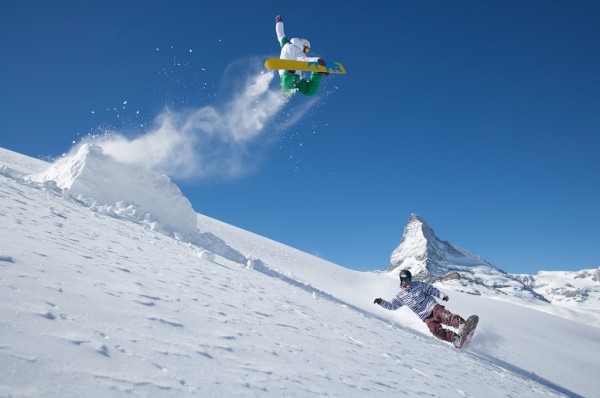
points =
(322, 63)
(278, 18)
(377, 301)
(445, 298)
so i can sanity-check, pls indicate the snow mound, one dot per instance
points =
(130, 192)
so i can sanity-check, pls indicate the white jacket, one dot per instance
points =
(294, 50)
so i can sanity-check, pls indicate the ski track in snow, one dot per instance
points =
(95, 306)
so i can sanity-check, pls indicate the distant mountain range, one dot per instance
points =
(434, 260)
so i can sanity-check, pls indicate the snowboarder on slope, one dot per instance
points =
(418, 296)
(296, 50)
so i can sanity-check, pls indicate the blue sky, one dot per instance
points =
(481, 117)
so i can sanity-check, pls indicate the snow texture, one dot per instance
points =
(101, 303)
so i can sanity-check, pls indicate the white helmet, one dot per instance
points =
(301, 44)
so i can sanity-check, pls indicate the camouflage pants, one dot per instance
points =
(441, 316)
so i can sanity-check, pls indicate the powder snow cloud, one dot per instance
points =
(207, 142)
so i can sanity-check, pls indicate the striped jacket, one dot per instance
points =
(418, 296)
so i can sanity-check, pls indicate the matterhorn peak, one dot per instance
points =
(414, 217)
(425, 255)
(418, 228)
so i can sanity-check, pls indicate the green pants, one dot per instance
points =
(290, 81)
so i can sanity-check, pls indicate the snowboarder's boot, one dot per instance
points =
(461, 326)
(456, 341)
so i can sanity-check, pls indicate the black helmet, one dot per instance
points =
(405, 275)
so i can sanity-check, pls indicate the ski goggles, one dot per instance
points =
(405, 278)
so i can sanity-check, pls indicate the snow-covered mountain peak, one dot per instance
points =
(414, 217)
(417, 231)
(425, 255)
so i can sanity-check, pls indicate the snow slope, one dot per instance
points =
(97, 302)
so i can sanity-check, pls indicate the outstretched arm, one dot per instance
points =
(394, 305)
(303, 57)
(279, 30)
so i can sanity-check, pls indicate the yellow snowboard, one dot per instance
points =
(330, 67)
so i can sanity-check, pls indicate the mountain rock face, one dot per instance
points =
(434, 260)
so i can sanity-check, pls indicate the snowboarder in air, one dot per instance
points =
(296, 50)
(419, 297)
